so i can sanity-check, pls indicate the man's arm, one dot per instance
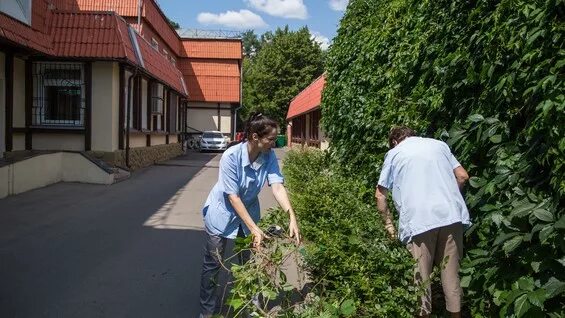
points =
(461, 176)
(382, 206)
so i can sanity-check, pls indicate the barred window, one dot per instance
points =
(58, 94)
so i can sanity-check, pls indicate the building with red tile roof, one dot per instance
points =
(304, 116)
(107, 76)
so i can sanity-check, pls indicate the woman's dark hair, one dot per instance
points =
(259, 124)
(398, 134)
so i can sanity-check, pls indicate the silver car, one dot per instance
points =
(213, 140)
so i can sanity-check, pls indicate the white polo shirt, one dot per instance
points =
(419, 172)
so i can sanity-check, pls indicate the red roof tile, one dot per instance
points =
(23, 35)
(91, 34)
(157, 65)
(121, 7)
(210, 80)
(307, 100)
(212, 48)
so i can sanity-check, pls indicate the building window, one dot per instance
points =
(17, 9)
(314, 124)
(299, 129)
(156, 98)
(155, 44)
(58, 95)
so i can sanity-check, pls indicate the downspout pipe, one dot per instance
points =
(240, 102)
(134, 75)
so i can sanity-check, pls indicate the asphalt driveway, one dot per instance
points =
(132, 249)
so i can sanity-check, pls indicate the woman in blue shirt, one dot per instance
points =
(232, 208)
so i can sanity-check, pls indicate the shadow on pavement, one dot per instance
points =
(82, 250)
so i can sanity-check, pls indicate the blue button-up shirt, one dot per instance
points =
(239, 176)
(419, 171)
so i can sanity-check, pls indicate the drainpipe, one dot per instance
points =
(128, 110)
(240, 103)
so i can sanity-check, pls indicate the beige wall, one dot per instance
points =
(105, 106)
(207, 119)
(158, 140)
(173, 139)
(225, 117)
(46, 169)
(58, 142)
(203, 119)
(19, 141)
(19, 93)
(137, 140)
(2, 105)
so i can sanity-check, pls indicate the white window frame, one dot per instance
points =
(155, 44)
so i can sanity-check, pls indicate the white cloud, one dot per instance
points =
(322, 40)
(244, 19)
(291, 9)
(338, 5)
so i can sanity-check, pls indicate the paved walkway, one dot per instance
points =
(132, 249)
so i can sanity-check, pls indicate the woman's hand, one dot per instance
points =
(293, 230)
(258, 236)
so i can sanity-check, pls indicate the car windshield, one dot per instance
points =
(210, 135)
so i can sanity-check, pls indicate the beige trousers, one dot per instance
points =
(443, 247)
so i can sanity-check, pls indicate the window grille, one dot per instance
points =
(58, 94)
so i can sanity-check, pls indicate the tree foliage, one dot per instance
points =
(286, 63)
(173, 24)
(251, 44)
(489, 78)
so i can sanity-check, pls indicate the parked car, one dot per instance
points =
(213, 140)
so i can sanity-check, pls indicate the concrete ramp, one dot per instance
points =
(44, 169)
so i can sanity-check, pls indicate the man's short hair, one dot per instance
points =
(398, 134)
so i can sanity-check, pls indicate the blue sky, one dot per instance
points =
(321, 16)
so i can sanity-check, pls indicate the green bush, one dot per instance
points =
(488, 77)
(348, 253)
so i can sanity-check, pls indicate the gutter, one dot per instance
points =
(234, 130)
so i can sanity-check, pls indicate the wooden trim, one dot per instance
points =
(209, 108)
(168, 111)
(140, 103)
(165, 100)
(122, 106)
(28, 102)
(9, 70)
(31, 130)
(148, 111)
(135, 100)
(168, 116)
(88, 106)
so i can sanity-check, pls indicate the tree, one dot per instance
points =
(251, 43)
(287, 62)
(174, 24)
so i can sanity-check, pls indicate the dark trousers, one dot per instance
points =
(213, 254)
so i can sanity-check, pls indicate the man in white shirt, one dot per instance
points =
(425, 180)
